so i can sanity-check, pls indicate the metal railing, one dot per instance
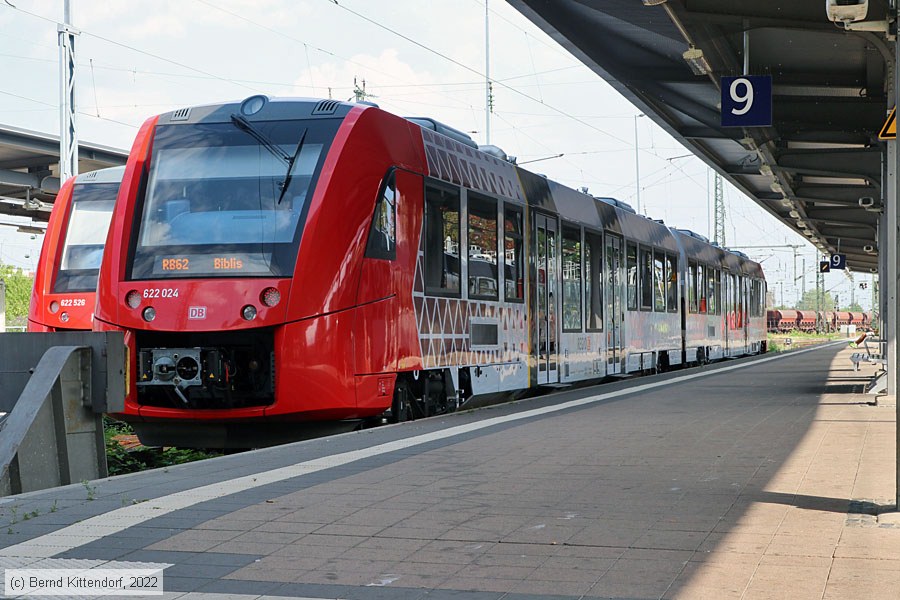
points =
(52, 433)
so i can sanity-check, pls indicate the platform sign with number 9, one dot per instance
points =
(747, 101)
(838, 261)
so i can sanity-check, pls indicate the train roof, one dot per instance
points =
(272, 108)
(110, 175)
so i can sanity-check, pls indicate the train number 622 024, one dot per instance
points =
(161, 293)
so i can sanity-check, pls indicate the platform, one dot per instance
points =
(755, 478)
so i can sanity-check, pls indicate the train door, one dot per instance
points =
(615, 304)
(745, 313)
(727, 312)
(546, 299)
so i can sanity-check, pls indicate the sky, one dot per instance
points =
(139, 58)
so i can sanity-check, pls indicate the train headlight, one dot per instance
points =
(248, 312)
(54, 307)
(149, 314)
(64, 317)
(133, 299)
(270, 297)
(253, 105)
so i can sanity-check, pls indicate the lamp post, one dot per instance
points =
(637, 164)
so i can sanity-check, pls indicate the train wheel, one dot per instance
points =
(401, 407)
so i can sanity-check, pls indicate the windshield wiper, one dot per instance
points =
(290, 168)
(245, 125)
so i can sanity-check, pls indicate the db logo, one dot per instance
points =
(197, 312)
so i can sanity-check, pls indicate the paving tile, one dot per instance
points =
(698, 580)
(770, 581)
(233, 547)
(232, 586)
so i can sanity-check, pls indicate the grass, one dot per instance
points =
(122, 460)
(777, 342)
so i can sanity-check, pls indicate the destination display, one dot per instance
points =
(212, 264)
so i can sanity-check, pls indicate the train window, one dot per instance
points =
(715, 301)
(441, 241)
(89, 218)
(593, 281)
(514, 269)
(571, 268)
(646, 279)
(659, 282)
(631, 266)
(383, 232)
(758, 305)
(692, 287)
(752, 303)
(703, 275)
(483, 279)
(760, 297)
(671, 283)
(221, 201)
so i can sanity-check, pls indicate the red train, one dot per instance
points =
(782, 320)
(65, 283)
(283, 261)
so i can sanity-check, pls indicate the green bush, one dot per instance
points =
(120, 460)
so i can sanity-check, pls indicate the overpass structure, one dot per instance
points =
(817, 165)
(29, 170)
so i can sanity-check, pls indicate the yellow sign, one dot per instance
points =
(889, 130)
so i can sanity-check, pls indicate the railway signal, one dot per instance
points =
(824, 266)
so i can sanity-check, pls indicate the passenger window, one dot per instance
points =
(514, 269)
(631, 265)
(571, 265)
(659, 282)
(646, 279)
(671, 283)
(715, 293)
(692, 287)
(593, 281)
(382, 241)
(442, 241)
(483, 279)
(703, 274)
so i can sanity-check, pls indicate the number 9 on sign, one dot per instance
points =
(746, 101)
(744, 97)
(838, 261)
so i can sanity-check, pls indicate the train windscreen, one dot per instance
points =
(92, 207)
(228, 199)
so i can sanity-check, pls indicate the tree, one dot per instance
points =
(808, 302)
(18, 291)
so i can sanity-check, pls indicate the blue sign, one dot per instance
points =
(838, 261)
(747, 101)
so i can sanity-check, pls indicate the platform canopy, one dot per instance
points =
(29, 170)
(818, 167)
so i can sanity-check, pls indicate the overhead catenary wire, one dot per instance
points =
(133, 49)
(502, 82)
